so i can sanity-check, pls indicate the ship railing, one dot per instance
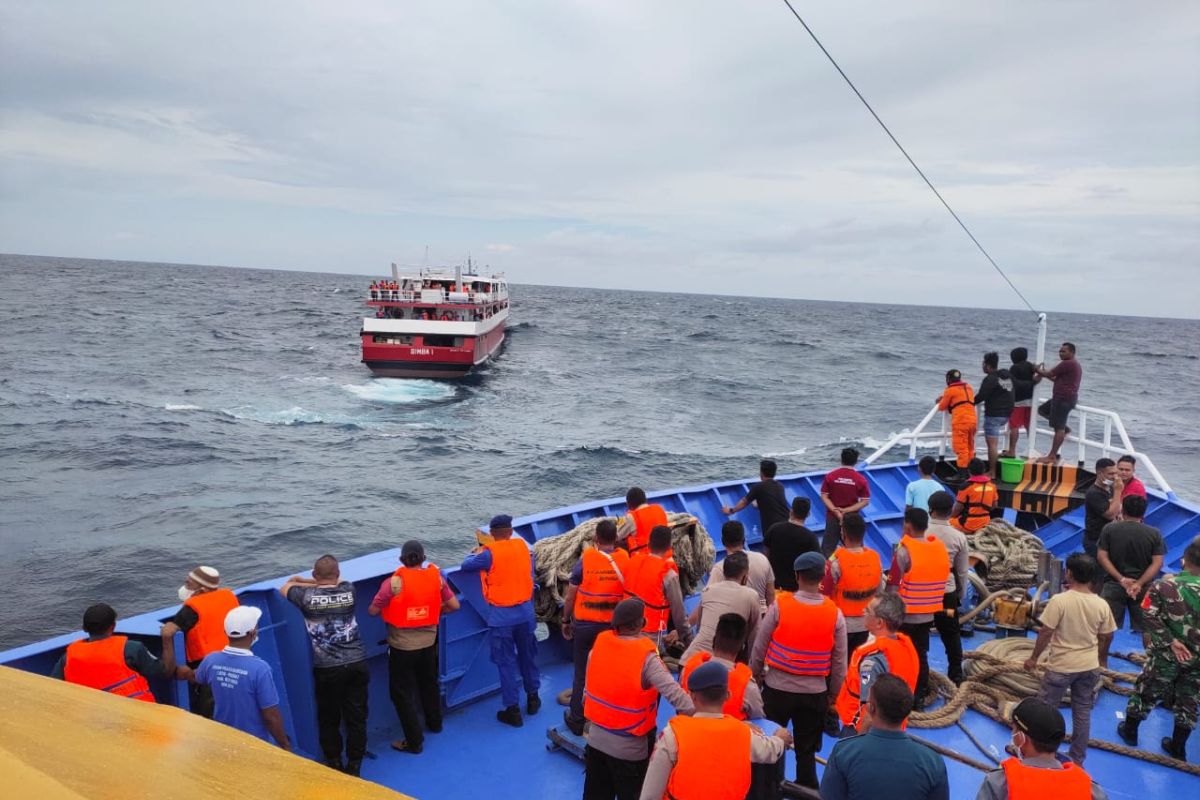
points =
(1111, 441)
(428, 296)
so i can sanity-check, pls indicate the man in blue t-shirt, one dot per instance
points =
(241, 682)
(917, 494)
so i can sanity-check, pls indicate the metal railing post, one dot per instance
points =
(1082, 436)
(1033, 399)
(942, 440)
(1107, 435)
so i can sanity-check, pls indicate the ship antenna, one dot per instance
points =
(896, 141)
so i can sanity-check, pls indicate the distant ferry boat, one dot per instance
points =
(435, 323)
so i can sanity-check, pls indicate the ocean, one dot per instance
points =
(155, 417)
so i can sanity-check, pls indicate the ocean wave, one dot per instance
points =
(886, 355)
(296, 415)
(181, 407)
(1152, 354)
(789, 454)
(402, 392)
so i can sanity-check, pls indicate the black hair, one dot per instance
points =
(1134, 506)
(942, 503)
(1127, 459)
(1018, 355)
(854, 527)
(892, 698)
(635, 497)
(976, 466)
(713, 694)
(1069, 346)
(730, 634)
(660, 539)
(1191, 553)
(733, 533)
(767, 468)
(606, 531)
(849, 457)
(927, 465)
(918, 518)
(801, 506)
(735, 565)
(1083, 568)
(326, 566)
(1104, 463)
(992, 359)
(98, 619)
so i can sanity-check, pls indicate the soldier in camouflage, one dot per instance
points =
(1172, 609)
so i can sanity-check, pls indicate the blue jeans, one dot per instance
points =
(993, 425)
(515, 648)
(1083, 697)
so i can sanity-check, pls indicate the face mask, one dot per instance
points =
(185, 593)
(1108, 481)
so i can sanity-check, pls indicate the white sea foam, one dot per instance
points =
(788, 454)
(400, 391)
(181, 407)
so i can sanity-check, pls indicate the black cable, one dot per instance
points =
(896, 141)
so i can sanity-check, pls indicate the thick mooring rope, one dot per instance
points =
(556, 556)
(1012, 554)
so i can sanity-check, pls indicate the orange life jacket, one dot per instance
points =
(802, 643)
(419, 603)
(613, 695)
(924, 585)
(977, 499)
(713, 761)
(861, 574)
(644, 580)
(646, 518)
(1036, 783)
(510, 580)
(903, 662)
(208, 634)
(101, 665)
(959, 401)
(603, 584)
(739, 679)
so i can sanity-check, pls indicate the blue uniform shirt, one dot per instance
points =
(884, 764)
(918, 492)
(242, 687)
(499, 617)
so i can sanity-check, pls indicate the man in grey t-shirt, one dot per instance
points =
(340, 673)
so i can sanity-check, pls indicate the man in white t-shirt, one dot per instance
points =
(1077, 629)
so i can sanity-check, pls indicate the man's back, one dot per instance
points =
(332, 627)
(771, 499)
(724, 597)
(917, 493)
(1131, 545)
(242, 686)
(760, 578)
(1077, 619)
(884, 764)
(786, 541)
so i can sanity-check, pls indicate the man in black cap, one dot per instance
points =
(411, 601)
(694, 750)
(802, 639)
(625, 678)
(1035, 772)
(506, 578)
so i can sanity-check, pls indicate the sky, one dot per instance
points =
(694, 146)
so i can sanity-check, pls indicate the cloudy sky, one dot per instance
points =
(699, 145)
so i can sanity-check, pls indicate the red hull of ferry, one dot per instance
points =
(420, 361)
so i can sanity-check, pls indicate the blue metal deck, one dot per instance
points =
(499, 756)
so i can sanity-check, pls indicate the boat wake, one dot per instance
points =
(400, 391)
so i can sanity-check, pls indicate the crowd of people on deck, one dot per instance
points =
(810, 637)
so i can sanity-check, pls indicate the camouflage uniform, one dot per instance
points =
(1172, 608)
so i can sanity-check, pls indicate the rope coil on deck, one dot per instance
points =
(1012, 554)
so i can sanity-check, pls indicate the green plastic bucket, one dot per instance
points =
(1012, 470)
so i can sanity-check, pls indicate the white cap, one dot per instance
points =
(241, 620)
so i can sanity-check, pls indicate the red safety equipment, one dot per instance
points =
(603, 584)
(923, 587)
(713, 761)
(101, 665)
(902, 660)
(1037, 783)
(419, 603)
(208, 634)
(802, 643)
(510, 580)
(646, 518)
(644, 580)
(978, 498)
(739, 679)
(613, 695)
(858, 583)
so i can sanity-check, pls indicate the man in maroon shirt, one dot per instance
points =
(844, 490)
(1066, 375)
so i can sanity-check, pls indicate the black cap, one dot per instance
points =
(953, 375)
(1041, 721)
(627, 612)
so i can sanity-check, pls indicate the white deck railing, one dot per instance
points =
(1087, 449)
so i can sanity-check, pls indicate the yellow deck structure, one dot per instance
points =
(59, 740)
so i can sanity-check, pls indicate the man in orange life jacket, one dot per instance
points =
(976, 500)
(1036, 773)
(111, 663)
(506, 577)
(853, 576)
(887, 651)
(412, 600)
(958, 400)
(802, 639)
(745, 698)
(643, 517)
(707, 756)
(653, 578)
(596, 585)
(625, 678)
(201, 619)
(920, 568)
